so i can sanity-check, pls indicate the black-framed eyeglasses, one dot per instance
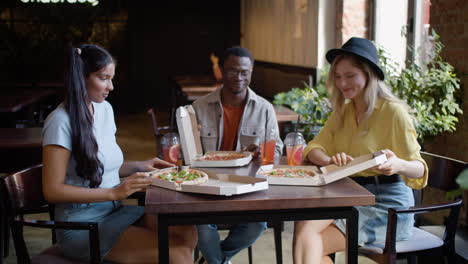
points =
(235, 73)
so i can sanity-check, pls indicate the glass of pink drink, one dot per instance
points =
(294, 147)
(170, 147)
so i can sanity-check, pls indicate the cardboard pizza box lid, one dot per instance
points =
(330, 173)
(191, 143)
(218, 184)
(188, 132)
(227, 184)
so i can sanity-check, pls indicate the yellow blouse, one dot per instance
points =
(388, 127)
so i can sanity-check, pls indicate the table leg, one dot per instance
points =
(163, 239)
(352, 237)
(278, 228)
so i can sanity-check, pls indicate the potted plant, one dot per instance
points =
(311, 103)
(429, 90)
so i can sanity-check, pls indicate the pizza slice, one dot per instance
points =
(222, 156)
(289, 173)
(185, 176)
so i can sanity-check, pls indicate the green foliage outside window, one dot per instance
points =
(311, 103)
(429, 89)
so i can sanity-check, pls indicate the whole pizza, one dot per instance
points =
(222, 156)
(289, 173)
(184, 176)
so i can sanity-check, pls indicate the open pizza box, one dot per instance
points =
(191, 144)
(217, 184)
(327, 174)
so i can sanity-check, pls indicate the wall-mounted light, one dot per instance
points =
(92, 2)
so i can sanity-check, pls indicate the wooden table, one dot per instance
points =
(196, 86)
(278, 203)
(14, 99)
(20, 148)
(283, 116)
(16, 138)
(22, 106)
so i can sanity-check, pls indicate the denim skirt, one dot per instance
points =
(373, 219)
(112, 217)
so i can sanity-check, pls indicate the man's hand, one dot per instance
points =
(254, 148)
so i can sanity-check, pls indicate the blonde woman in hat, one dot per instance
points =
(366, 118)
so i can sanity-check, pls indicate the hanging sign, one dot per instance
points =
(92, 2)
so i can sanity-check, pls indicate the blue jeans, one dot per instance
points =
(112, 217)
(373, 218)
(240, 236)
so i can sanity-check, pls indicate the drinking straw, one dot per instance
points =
(295, 137)
(265, 139)
(295, 130)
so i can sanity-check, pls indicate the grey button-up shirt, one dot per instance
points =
(257, 121)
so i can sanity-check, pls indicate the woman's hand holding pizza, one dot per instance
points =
(136, 182)
(153, 164)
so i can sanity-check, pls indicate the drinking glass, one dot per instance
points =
(171, 147)
(268, 147)
(294, 142)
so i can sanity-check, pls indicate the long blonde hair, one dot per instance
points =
(373, 90)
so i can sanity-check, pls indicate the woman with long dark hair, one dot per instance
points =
(83, 167)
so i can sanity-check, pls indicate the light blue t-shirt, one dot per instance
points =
(57, 131)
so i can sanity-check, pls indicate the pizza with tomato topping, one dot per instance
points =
(185, 176)
(289, 173)
(223, 156)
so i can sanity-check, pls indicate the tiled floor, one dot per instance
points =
(136, 139)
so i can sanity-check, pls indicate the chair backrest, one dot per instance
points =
(443, 171)
(24, 191)
(159, 130)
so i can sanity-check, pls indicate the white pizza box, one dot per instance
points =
(218, 184)
(328, 173)
(191, 144)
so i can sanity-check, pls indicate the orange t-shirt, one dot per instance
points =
(232, 117)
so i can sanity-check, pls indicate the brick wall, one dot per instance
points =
(352, 20)
(449, 19)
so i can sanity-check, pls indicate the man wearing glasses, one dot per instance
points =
(234, 118)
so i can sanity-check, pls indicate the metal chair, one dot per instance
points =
(442, 172)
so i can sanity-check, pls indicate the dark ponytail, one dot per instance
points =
(82, 62)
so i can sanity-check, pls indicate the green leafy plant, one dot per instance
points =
(429, 89)
(311, 103)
